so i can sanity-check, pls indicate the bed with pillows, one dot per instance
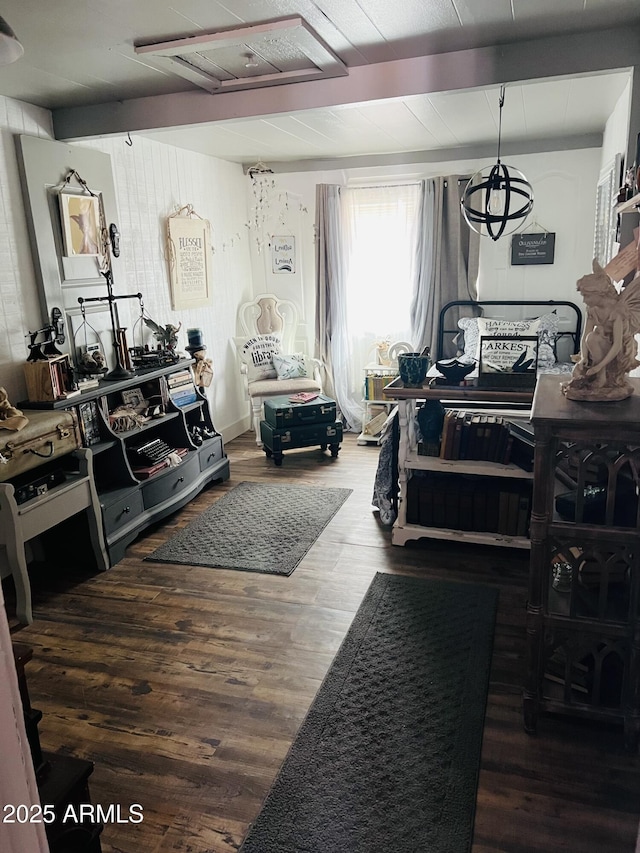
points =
(557, 325)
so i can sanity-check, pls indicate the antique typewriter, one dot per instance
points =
(151, 453)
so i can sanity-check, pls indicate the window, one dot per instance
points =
(380, 225)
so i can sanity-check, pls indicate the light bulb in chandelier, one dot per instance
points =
(497, 201)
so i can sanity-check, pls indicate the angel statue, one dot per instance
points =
(608, 349)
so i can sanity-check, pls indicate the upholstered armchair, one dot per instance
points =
(272, 361)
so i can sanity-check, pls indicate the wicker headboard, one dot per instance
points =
(569, 321)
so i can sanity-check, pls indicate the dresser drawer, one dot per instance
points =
(210, 453)
(167, 486)
(121, 511)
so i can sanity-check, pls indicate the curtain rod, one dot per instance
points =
(381, 186)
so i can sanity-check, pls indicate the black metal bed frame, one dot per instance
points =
(478, 307)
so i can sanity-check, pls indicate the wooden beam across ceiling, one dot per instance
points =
(560, 55)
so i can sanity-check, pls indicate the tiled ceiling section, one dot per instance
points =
(547, 109)
(82, 56)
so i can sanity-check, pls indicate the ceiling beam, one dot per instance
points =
(554, 56)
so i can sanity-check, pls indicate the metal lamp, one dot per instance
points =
(497, 198)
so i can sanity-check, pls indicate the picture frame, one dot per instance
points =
(283, 254)
(80, 220)
(89, 420)
(508, 361)
(133, 397)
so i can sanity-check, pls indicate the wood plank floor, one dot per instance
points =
(186, 686)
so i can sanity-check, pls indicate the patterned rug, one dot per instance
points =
(388, 756)
(255, 528)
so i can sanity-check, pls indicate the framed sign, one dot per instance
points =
(189, 262)
(508, 361)
(283, 254)
(533, 248)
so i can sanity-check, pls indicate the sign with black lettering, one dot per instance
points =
(532, 248)
(189, 253)
(283, 254)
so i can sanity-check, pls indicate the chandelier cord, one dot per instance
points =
(501, 105)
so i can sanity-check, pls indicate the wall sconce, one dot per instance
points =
(497, 198)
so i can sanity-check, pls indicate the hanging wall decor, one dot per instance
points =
(189, 257)
(283, 254)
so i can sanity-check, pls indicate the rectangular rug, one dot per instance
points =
(387, 758)
(256, 527)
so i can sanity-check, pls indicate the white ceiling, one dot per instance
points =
(409, 88)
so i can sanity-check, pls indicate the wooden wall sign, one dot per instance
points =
(189, 261)
(533, 248)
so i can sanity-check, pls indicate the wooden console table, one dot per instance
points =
(21, 522)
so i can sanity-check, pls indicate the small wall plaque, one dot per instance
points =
(533, 248)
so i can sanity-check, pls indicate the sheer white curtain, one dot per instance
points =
(380, 231)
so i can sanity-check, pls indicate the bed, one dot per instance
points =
(558, 325)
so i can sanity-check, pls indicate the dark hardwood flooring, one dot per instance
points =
(186, 686)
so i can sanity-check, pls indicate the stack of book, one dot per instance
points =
(373, 385)
(489, 438)
(182, 391)
(459, 502)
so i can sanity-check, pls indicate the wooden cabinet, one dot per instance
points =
(135, 482)
(462, 478)
(583, 625)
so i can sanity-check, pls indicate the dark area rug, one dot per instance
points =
(387, 759)
(255, 528)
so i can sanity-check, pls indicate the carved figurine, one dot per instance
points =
(167, 335)
(608, 350)
(10, 417)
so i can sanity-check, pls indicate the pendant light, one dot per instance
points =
(498, 197)
(10, 47)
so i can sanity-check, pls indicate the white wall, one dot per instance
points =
(151, 180)
(18, 289)
(564, 186)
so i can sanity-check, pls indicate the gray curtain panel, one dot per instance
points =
(447, 257)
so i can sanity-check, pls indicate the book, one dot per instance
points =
(303, 396)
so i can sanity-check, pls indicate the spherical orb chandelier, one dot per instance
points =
(500, 199)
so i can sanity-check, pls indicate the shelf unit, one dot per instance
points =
(131, 497)
(410, 462)
(583, 609)
(386, 373)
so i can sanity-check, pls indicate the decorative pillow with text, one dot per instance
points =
(257, 353)
(545, 327)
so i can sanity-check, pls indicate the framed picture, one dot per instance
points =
(189, 253)
(283, 254)
(80, 218)
(508, 361)
(89, 422)
(133, 397)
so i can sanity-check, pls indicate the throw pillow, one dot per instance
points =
(546, 327)
(290, 366)
(257, 353)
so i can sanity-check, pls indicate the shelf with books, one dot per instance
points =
(375, 407)
(465, 486)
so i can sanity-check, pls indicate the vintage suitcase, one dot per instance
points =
(275, 441)
(49, 435)
(280, 412)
